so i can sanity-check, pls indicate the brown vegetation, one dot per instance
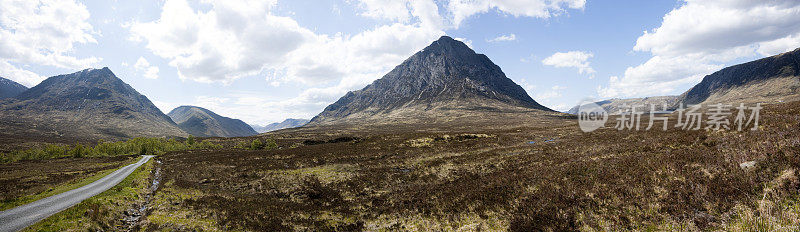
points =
(436, 178)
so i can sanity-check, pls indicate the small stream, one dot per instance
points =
(138, 211)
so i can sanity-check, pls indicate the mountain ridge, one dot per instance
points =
(202, 122)
(769, 79)
(287, 123)
(9, 88)
(615, 105)
(88, 104)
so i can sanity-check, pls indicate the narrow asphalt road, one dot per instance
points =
(23, 216)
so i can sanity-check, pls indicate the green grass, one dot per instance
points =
(4, 205)
(172, 198)
(104, 211)
(135, 146)
(257, 144)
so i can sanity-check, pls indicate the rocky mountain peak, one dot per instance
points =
(93, 103)
(446, 75)
(449, 47)
(88, 83)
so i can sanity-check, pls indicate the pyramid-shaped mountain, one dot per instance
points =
(89, 104)
(201, 122)
(445, 78)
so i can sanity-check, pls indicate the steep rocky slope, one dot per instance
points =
(768, 80)
(445, 80)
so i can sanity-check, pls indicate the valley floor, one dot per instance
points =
(520, 174)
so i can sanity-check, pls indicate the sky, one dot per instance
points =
(265, 61)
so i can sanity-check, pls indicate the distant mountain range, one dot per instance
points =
(616, 105)
(288, 123)
(768, 80)
(442, 83)
(89, 104)
(201, 122)
(9, 88)
(445, 79)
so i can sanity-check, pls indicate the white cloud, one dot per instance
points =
(503, 38)
(778, 46)
(258, 108)
(204, 48)
(386, 9)
(210, 102)
(428, 14)
(551, 94)
(150, 72)
(165, 107)
(561, 107)
(714, 26)
(700, 37)
(657, 76)
(368, 55)
(551, 98)
(572, 59)
(232, 39)
(220, 42)
(458, 10)
(528, 87)
(403, 11)
(463, 9)
(465, 41)
(527, 59)
(22, 76)
(42, 32)
(372, 52)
